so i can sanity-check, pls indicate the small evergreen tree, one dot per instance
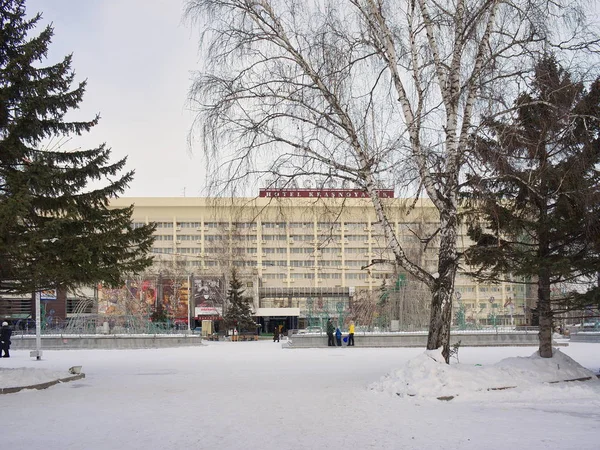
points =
(159, 315)
(239, 313)
(541, 203)
(54, 229)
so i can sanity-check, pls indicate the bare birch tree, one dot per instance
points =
(373, 92)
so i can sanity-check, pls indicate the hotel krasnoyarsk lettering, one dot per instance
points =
(325, 193)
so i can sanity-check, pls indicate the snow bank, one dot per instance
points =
(428, 376)
(28, 376)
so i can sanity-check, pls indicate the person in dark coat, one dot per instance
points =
(330, 333)
(276, 333)
(5, 335)
(338, 337)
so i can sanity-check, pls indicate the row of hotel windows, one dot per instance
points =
(252, 225)
(267, 251)
(486, 305)
(322, 226)
(323, 276)
(253, 237)
(211, 263)
(490, 289)
(277, 263)
(220, 238)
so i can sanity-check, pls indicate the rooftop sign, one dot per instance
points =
(322, 193)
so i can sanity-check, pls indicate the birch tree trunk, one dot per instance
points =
(443, 290)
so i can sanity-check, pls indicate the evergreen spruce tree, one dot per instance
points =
(541, 203)
(54, 229)
(239, 313)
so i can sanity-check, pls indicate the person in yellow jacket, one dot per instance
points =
(351, 334)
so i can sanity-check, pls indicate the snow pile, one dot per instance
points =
(428, 376)
(28, 376)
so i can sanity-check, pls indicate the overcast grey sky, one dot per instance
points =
(137, 56)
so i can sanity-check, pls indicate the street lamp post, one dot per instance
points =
(190, 300)
(37, 353)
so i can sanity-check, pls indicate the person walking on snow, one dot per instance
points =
(351, 334)
(5, 335)
(330, 333)
(276, 334)
(338, 336)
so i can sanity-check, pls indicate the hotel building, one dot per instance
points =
(306, 254)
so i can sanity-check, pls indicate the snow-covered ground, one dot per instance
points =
(258, 395)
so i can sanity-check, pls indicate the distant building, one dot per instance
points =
(306, 254)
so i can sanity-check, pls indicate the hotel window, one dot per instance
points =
(355, 250)
(188, 237)
(244, 225)
(381, 276)
(274, 237)
(273, 225)
(301, 224)
(215, 225)
(135, 225)
(188, 224)
(244, 237)
(356, 237)
(164, 224)
(356, 263)
(162, 250)
(328, 226)
(356, 225)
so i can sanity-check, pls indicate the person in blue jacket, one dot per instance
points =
(338, 336)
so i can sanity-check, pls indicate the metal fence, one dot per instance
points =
(363, 330)
(101, 324)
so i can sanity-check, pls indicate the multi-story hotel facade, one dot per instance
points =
(308, 254)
